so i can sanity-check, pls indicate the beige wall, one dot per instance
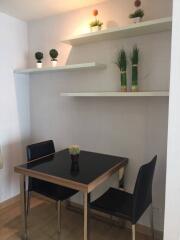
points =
(14, 102)
(136, 128)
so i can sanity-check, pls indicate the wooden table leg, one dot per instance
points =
(23, 207)
(86, 216)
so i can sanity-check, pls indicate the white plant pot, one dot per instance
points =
(137, 20)
(96, 29)
(54, 63)
(39, 65)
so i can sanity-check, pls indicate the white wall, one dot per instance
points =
(136, 128)
(172, 213)
(14, 102)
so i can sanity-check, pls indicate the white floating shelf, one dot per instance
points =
(117, 94)
(91, 65)
(143, 28)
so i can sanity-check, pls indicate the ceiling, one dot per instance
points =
(34, 9)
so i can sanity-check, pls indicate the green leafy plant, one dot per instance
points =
(53, 54)
(135, 56)
(39, 56)
(74, 150)
(137, 13)
(135, 62)
(96, 23)
(122, 60)
(122, 65)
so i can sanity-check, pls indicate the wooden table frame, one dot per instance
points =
(85, 188)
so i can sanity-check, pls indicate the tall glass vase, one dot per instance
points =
(123, 81)
(134, 86)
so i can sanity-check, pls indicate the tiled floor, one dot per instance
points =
(42, 224)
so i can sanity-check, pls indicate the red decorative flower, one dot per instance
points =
(95, 12)
(137, 3)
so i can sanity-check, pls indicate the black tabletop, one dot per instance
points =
(89, 166)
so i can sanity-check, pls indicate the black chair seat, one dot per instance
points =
(115, 202)
(126, 205)
(51, 190)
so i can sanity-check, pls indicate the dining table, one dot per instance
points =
(85, 174)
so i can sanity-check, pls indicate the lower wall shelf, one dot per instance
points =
(117, 94)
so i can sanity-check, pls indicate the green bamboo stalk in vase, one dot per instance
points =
(134, 86)
(123, 81)
(122, 65)
(135, 61)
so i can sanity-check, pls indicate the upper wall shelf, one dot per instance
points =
(117, 94)
(143, 28)
(91, 65)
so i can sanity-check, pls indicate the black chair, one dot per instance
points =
(129, 206)
(50, 190)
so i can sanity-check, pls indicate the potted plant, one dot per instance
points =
(96, 25)
(135, 61)
(122, 65)
(53, 54)
(39, 56)
(137, 16)
(74, 151)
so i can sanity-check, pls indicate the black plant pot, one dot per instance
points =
(75, 158)
(74, 164)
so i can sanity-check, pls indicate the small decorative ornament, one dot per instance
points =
(135, 62)
(122, 65)
(96, 25)
(137, 3)
(53, 54)
(95, 12)
(39, 56)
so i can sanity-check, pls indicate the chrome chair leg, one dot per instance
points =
(133, 232)
(86, 211)
(23, 207)
(152, 222)
(59, 215)
(28, 202)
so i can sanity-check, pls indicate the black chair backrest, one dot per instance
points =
(142, 196)
(39, 150)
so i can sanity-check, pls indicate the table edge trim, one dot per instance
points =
(53, 179)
